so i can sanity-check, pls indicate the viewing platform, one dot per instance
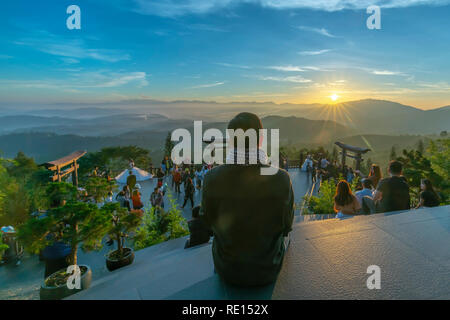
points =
(325, 260)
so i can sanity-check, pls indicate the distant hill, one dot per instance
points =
(49, 146)
(367, 116)
(381, 117)
(384, 142)
(46, 146)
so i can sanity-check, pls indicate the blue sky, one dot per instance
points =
(225, 50)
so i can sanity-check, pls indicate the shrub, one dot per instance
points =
(122, 223)
(324, 202)
(160, 225)
(3, 247)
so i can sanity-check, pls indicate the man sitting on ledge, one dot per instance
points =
(392, 193)
(250, 214)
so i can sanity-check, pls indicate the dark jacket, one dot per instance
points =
(199, 232)
(249, 215)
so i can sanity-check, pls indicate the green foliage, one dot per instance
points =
(122, 222)
(393, 154)
(439, 154)
(23, 167)
(434, 166)
(21, 190)
(169, 144)
(75, 223)
(58, 192)
(3, 247)
(324, 202)
(107, 157)
(159, 226)
(99, 188)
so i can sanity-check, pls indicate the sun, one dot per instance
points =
(334, 97)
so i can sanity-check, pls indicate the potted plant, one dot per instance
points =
(122, 224)
(77, 224)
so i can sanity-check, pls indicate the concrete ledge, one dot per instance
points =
(326, 259)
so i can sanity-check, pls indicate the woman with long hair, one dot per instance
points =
(428, 196)
(345, 203)
(375, 174)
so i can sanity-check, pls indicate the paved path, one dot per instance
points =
(22, 282)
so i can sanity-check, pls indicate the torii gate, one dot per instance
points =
(358, 152)
(58, 165)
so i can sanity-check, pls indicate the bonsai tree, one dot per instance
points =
(78, 224)
(99, 188)
(122, 224)
(59, 193)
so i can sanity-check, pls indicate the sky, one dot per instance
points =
(295, 51)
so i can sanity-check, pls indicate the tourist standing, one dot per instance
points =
(189, 190)
(157, 198)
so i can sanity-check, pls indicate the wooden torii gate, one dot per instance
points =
(62, 169)
(358, 152)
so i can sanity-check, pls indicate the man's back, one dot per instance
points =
(395, 194)
(249, 214)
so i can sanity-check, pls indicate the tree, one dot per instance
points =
(439, 151)
(76, 223)
(168, 145)
(122, 223)
(3, 248)
(420, 146)
(393, 154)
(22, 166)
(99, 188)
(60, 192)
(443, 134)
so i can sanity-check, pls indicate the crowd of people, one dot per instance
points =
(250, 215)
(377, 194)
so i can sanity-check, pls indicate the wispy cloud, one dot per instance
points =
(175, 8)
(386, 73)
(230, 65)
(314, 53)
(208, 85)
(206, 27)
(321, 31)
(83, 80)
(295, 79)
(70, 48)
(288, 68)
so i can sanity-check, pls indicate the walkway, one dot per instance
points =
(23, 282)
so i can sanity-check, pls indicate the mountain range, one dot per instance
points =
(48, 133)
